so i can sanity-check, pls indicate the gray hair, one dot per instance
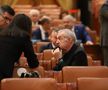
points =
(34, 11)
(68, 33)
(69, 18)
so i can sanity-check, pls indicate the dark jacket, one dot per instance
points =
(11, 49)
(75, 57)
(104, 25)
(37, 35)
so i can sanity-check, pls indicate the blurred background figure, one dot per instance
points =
(43, 32)
(63, 14)
(78, 28)
(52, 39)
(34, 15)
(104, 31)
(6, 15)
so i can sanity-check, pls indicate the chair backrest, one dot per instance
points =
(39, 56)
(38, 46)
(66, 86)
(94, 51)
(28, 84)
(57, 75)
(47, 54)
(92, 83)
(92, 62)
(71, 73)
(46, 64)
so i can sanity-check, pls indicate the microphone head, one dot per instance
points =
(21, 71)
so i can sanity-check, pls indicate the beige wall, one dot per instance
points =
(24, 2)
(33, 2)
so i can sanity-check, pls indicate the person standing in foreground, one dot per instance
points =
(14, 40)
(104, 31)
(73, 53)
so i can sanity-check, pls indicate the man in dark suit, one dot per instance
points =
(43, 31)
(73, 54)
(104, 31)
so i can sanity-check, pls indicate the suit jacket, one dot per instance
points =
(76, 56)
(11, 49)
(81, 33)
(48, 46)
(104, 25)
(37, 35)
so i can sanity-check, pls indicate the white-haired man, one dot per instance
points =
(73, 54)
(34, 15)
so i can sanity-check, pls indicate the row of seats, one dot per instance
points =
(69, 74)
(51, 84)
(92, 50)
(49, 62)
(38, 45)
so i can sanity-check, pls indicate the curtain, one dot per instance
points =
(96, 4)
(8, 2)
(66, 4)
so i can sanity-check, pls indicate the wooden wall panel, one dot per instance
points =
(36, 2)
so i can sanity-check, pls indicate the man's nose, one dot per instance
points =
(57, 42)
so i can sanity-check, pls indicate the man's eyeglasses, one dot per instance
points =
(5, 18)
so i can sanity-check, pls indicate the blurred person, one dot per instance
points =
(63, 14)
(104, 31)
(52, 39)
(73, 54)
(78, 28)
(14, 40)
(6, 15)
(42, 33)
(34, 15)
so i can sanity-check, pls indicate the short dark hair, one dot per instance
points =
(8, 9)
(44, 20)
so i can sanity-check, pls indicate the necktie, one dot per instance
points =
(46, 35)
